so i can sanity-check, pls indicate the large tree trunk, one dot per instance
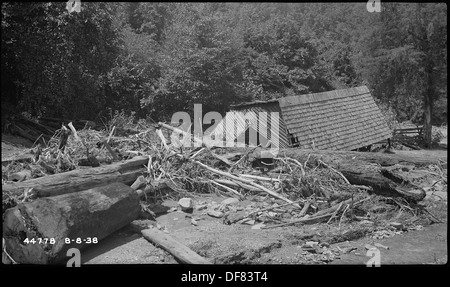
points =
(383, 159)
(80, 179)
(88, 215)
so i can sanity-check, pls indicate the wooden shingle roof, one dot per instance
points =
(337, 120)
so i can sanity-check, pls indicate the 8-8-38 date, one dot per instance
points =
(79, 240)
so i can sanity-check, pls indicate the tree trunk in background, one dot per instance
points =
(428, 104)
(427, 121)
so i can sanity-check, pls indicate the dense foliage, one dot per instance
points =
(158, 58)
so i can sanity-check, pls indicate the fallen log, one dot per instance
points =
(80, 179)
(18, 158)
(41, 231)
(336, 157)
(381, 182)
(356, 167)
(168, 243)
(16, 130)
(36, 126)
(57, 122)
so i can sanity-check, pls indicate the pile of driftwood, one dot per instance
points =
(65, 207)
(41, 131)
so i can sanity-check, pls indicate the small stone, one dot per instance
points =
(311, 243)
(271, 214)
(214, 213)
(186, 204)
(258, 226)
(230, 200)
(194, 222)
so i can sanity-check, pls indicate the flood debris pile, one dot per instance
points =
(96, 175)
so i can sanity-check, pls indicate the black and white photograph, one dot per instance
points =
(210, 134)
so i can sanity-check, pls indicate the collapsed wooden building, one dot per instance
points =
(347, 119)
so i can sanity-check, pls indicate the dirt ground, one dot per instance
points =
(240, 244)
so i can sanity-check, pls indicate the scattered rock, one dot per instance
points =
(230, 200)
(186, 204)
(215, 213)
(194, 222)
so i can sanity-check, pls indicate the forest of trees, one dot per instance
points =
(155, 59)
